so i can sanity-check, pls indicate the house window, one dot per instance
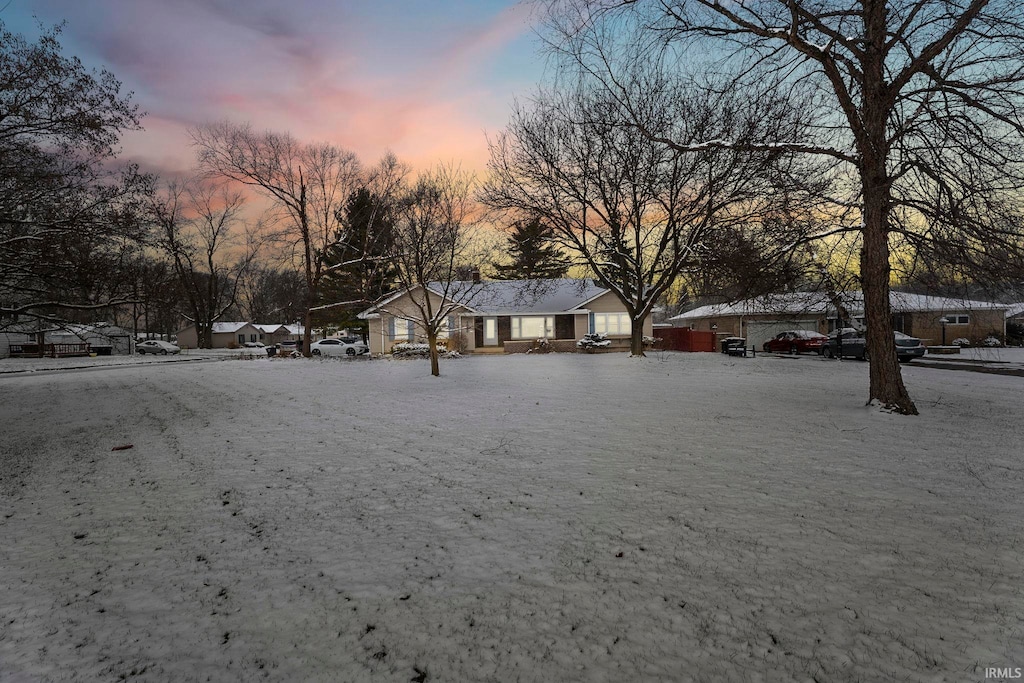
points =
(958, 320)
(400, 329)
(241, 339)
(533, 327)
(252, 337)
(612, 323)
(449, 327)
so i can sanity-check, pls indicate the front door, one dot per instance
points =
(490, 331)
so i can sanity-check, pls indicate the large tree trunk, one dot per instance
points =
(435, 368)
(636, 339)
(886, 380)
(307, 333)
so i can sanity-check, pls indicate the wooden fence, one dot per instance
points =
(48, 350)
(684, 339)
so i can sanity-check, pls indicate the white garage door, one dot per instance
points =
(760, 331)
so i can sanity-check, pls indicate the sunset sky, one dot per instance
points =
(426, 79)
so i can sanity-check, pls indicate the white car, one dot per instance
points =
(338, 347)
(156, 346)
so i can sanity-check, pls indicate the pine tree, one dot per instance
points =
(368, 225)
(534, 255)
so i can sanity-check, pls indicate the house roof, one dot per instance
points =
(228, 327)
(270, 328)
(1014, 310)
(818, 303)
(505, 297)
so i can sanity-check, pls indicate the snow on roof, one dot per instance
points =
(1013, 310)
(270, 328)
(504, 297)
(534, 296)
(220, 328)
(796, 303)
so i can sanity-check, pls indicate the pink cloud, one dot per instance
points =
(369, 77)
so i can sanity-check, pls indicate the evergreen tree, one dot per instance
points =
(359, 271)
(534, 254)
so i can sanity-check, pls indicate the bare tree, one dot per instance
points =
(917, 103)
(268, 294)
(69, 222)
(636, 211)
(307, 182)
(432, 234)
(196, 232)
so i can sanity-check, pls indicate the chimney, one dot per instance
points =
(475, 274)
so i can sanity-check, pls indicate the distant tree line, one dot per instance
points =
(680, 149)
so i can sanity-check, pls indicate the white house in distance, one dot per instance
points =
(506, 315)
(225, 335)
(228, 335)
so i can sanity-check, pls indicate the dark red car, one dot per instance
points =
(796, 341)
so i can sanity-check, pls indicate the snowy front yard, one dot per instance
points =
(534, 518)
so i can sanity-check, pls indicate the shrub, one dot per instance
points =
(416, 349)
(594, 340)
(961, 341)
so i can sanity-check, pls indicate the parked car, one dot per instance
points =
(908, 348)
(156, 346)
(855, 345)
(796, 341)
(337, 347)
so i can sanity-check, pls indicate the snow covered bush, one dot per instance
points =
(416, 349)
(991, 340)
(650, 341)
(594, 340)
(961, 341)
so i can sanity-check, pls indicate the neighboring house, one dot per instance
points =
(103, 339)
(1015, 323)
(1015, 313)
(272, 334)
(225, 335)
(919, 315)
(18, 334)
(506, 315)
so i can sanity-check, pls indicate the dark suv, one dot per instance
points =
(849, 343)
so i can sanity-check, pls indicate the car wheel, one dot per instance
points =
(794, 350)
(827, 352)
(163, 352)
(316, 352)
(866, 355)
(350, 352)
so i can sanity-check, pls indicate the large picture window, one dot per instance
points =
(612, 323)
(401, 330)
(533, 327)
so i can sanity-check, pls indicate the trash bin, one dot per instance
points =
(733, 344)
(271, 351)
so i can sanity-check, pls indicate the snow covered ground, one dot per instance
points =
(531, 518)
